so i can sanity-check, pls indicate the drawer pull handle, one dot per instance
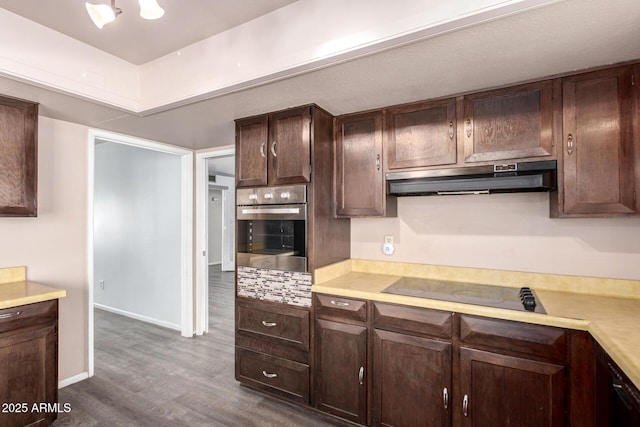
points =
(445, 397)
(269, 324)
(340, 303)
(361, 375)
(10, 315)
(268, 375)
(465, 405)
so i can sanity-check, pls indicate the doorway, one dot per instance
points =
(139, 225)
(215, 242)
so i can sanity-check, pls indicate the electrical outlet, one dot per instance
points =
(101, 283)
(388, 239)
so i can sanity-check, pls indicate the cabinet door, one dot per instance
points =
(359, 180)
(412, 380)
(28, 374)
(341, 370)
(18, 157)
(499, 390)
(510, 123)
(251, 151)
(290, 147)
(422, 135)
(599, 142)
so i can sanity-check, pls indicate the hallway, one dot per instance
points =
(147, 375)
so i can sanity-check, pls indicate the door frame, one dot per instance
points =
(201, 242)
(186, 228)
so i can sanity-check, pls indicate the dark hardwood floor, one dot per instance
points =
(146, 375)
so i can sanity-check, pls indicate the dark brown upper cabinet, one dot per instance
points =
(422, 134)
(274, 149)
(599, 156)
(509, 123)
(18, 157)
(360, 185)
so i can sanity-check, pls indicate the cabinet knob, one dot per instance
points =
(269, 375)
(378, 162)
(451, 130)
(465, 405)
(269, 324)
(361, 375)
(273, 149)
(468, 127)
(445, 398)
(262, 153)
(10, 315)
(340, 303)
(570, 147)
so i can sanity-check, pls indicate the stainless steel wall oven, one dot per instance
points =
(272, 227)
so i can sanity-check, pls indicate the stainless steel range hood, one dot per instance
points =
(498, 178)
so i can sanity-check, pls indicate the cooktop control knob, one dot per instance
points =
(528, 299)
(268, 196)
(284, 195)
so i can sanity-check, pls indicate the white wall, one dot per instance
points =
(215, 226)
(502, 231)
(53, 245)
(228, 220)
(137, 232)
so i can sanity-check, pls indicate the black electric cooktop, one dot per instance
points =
(521, 299)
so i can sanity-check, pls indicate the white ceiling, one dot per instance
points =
(569, 35)
(137, 40)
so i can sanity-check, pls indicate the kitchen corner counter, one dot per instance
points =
(15, 290)
(611, 320)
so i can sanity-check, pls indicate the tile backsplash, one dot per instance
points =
(287, 287)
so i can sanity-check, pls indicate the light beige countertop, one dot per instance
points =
(608, 308)
(15, 290)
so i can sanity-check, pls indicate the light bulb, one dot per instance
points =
(150, 9)
(100, 14)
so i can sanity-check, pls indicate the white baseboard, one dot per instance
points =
(138, 317)
(72, 380)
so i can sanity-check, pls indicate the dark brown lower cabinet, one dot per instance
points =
(272, 348)
(500, 390)
(29, 364)
(411, 381)
(617, 398)
(341, 370)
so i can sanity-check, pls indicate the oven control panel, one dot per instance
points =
(281, 195)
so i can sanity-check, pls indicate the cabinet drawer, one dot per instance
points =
(416, 320)
(287, 325)
(544, 341)
(280, 376)
(28, 315)
(339, 308)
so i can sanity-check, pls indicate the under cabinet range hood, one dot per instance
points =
(498, 178)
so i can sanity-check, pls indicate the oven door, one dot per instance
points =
(273, 237)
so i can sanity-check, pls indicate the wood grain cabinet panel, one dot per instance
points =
(18, 157)
(420, 321)
(360, 185)
(341, 370)
(342, 309)
(422, 134)
(518, 337)
(273, 374)
(412, 380)
(500, 390)
(29, 363)
(600, 147)
(509, 123)
(274, 149)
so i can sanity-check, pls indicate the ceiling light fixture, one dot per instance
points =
(102, 14)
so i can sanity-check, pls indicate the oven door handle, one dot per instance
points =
(272, 211)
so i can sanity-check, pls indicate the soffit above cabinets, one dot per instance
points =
(553, 38)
